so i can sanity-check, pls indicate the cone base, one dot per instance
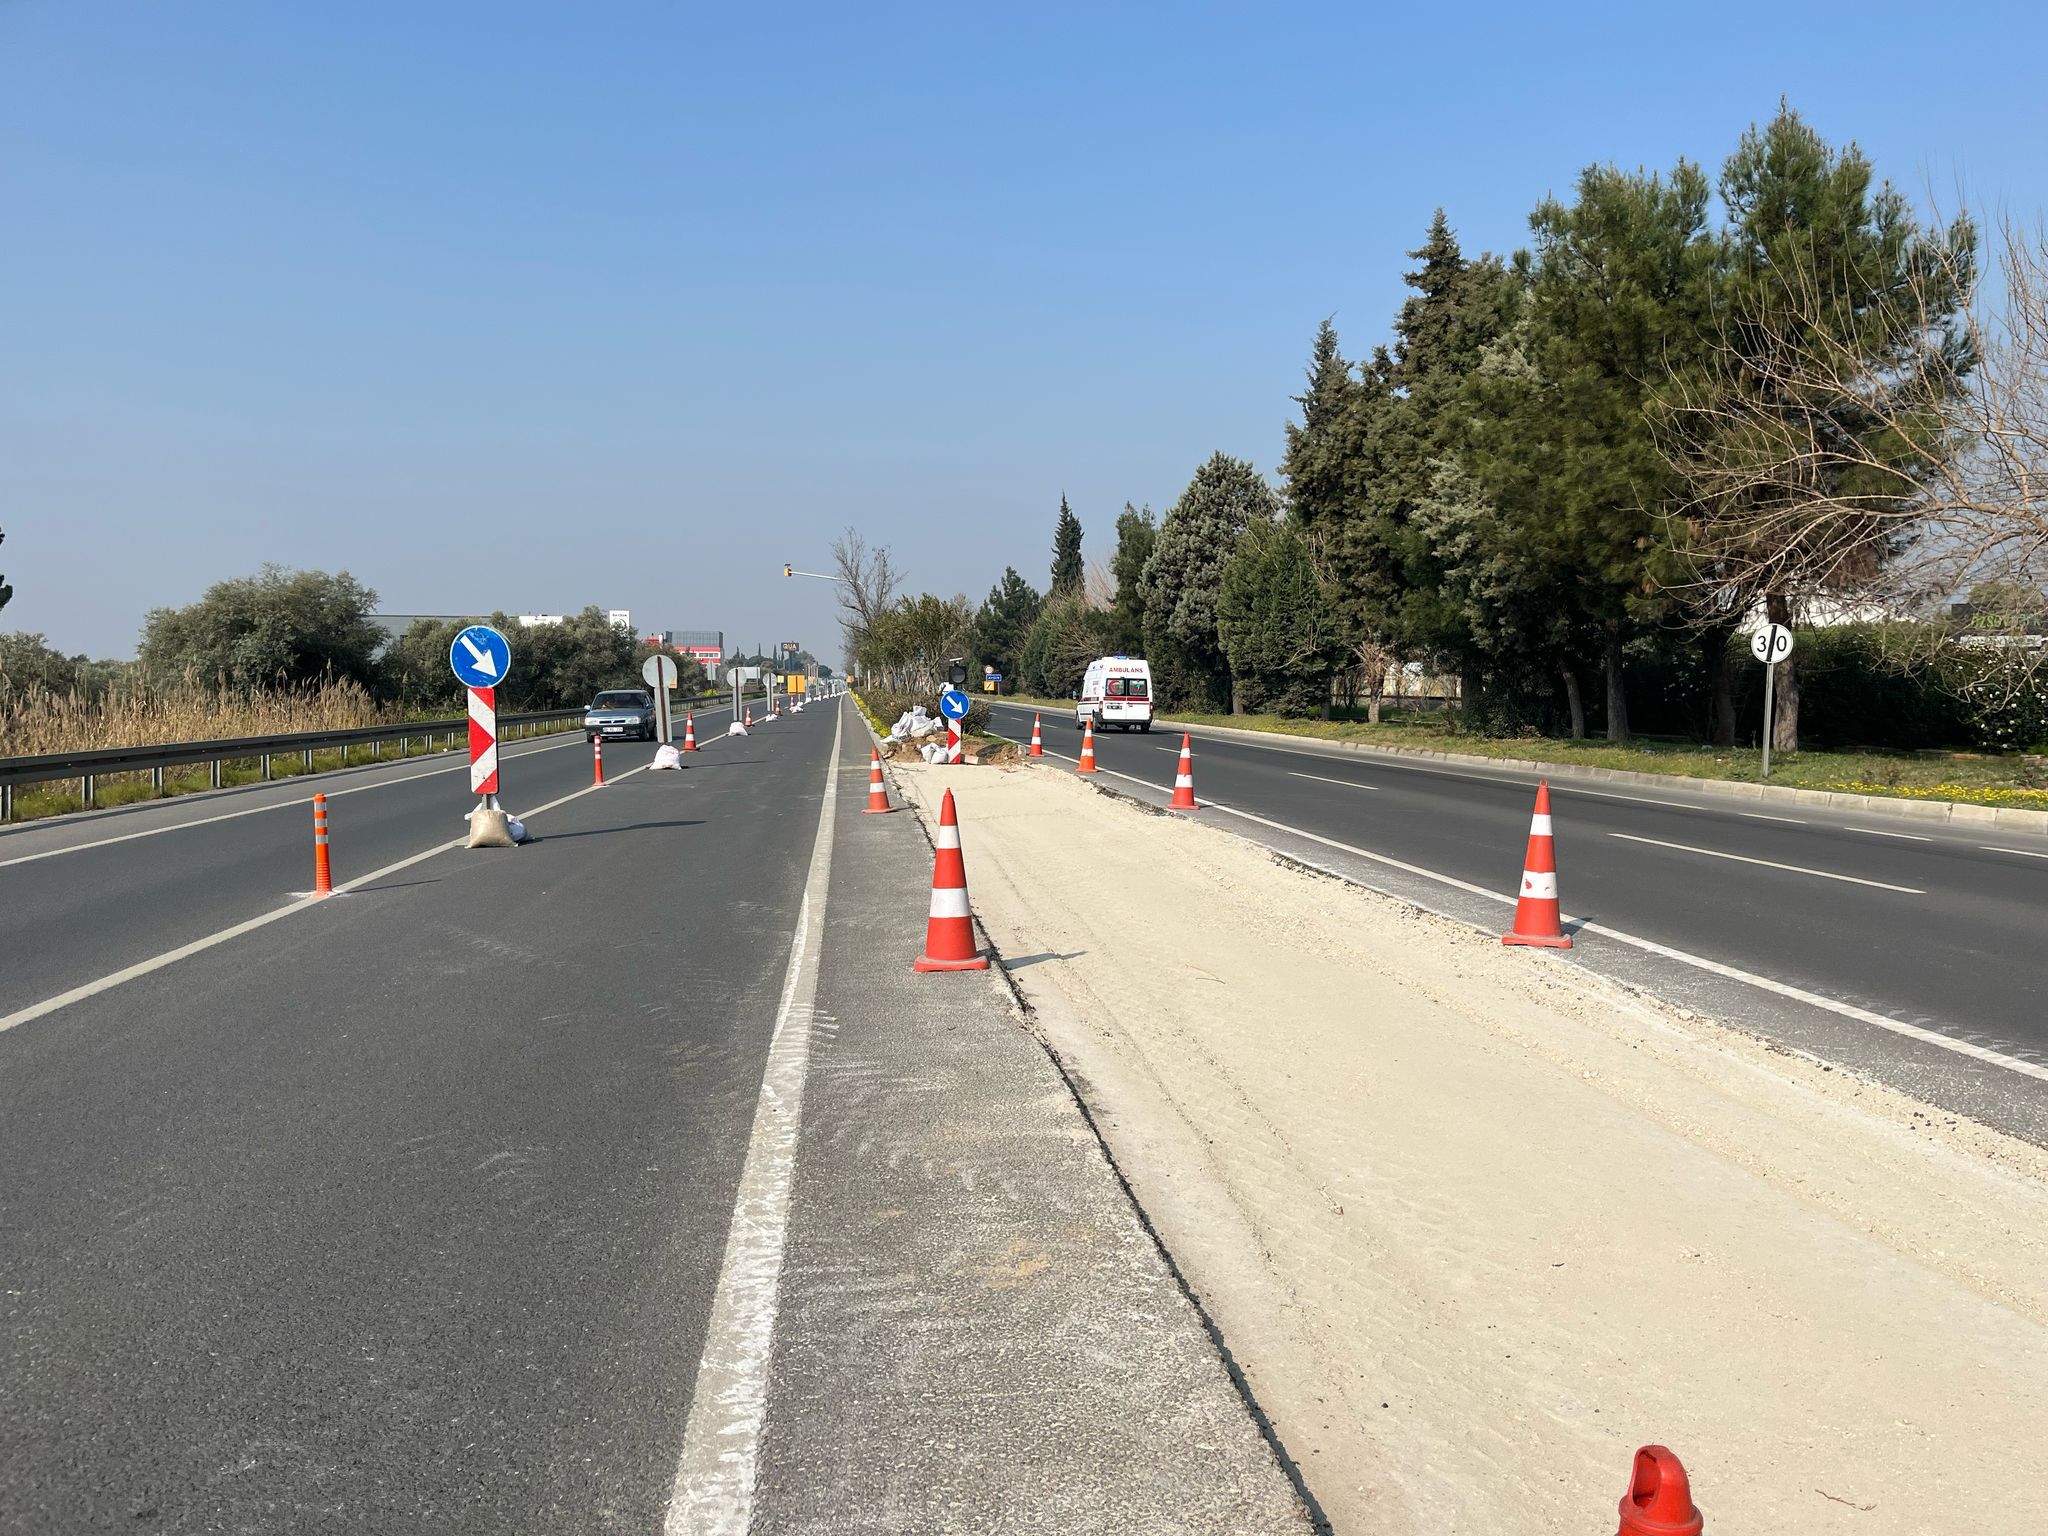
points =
(879, 810)
(972, 963)
(1183, 805)
(1087, 769)
(1538, 941)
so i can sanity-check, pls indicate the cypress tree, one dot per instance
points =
(1066, 553)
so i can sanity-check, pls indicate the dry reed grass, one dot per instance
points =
(35, 720)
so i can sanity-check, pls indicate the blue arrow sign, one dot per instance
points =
(953, 704)
(480, 656)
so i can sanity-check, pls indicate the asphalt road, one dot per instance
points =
(401, 1213)
(1926, 926)
(414, 1208)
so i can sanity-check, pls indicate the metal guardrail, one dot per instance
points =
(90, 766)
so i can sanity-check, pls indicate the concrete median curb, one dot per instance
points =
(1957, 813)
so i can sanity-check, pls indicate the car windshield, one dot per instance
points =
(619, 701)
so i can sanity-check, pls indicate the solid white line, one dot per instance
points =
(2025, 853)
(1797, 821)
(1698, 962)
(1347, 783)
(1797, 869)
(298, 904)
(1911, 837)
(1832, 1005)
(713, 1493)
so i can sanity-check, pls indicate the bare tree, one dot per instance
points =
(868, 579)
(1886, 483)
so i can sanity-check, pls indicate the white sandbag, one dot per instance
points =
(489, 828)
(666, 756)
(735, 729)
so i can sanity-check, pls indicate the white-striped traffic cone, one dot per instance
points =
(1536, 912)
(1087, 763)
(690, 732)
(878, 793)
(949, 932)
(1037, 746)
(1184, 778)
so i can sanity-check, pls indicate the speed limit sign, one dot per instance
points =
(1771, 644)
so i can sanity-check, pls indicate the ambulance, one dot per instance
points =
(1115, 690)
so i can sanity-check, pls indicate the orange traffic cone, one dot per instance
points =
(749, 721)
(949, 934)
(878, 794)
(1184, 778)
(1536, 909)
(597, 759)
(690, 732)
(1659, 1498)
(1037, 746)
(1087, 763)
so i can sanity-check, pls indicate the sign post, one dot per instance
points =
(1770, 645)
(661, 674)
(480, 657)
(953, 705)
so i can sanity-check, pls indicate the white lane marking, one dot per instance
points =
(296, 800)
(1684, 957)
(1911, 837)
(2025, 853)
(713, 1493)
(113, 979)
(1743, 858)
(1347, 783)
(1797, 821)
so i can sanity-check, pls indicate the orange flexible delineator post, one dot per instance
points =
(323, 870)
(1037, 746)
(1659, 1498)
(597, 760)
(878, 793)
(1536, 910)
(1087, 763)
(1184, 778)
(949, 931)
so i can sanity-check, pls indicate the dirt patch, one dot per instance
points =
(1477, 1224)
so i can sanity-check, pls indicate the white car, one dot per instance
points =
(1115, 690)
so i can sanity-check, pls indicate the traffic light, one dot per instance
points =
(788, 571)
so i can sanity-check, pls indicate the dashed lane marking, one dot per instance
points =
(291, 801)
(113, 979)
(1347, 783)
(1797, 869)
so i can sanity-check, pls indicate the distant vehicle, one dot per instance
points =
(619, 714)
(1115, 690)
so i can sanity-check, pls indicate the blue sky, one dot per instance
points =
(533, 306)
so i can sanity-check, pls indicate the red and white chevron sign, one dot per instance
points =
(483, 741)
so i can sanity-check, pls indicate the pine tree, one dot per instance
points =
(1831, 294)
(1136, 532)
(1002, 622)
(1622, 284)
(1066, 553)
(1184, 576)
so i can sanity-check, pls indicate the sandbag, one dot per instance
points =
(489, 828)
(666, 756)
